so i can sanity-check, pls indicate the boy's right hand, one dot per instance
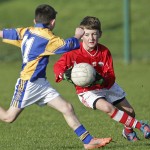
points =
(79, 32)
(99, 79)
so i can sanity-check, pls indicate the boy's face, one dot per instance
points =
(90, 39)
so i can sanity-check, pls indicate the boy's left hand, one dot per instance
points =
(67, 75)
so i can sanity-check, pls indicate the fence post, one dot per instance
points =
(127, 38)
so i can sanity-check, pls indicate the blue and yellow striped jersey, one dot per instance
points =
(37, 44)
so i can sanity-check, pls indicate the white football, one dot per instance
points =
(83, 74)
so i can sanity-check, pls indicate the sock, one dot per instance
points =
(83, 134)
(124, 118)
(128, 129)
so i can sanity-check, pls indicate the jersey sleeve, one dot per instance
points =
(13, 36)
(57, 45)
(61, 66)
(108, 72)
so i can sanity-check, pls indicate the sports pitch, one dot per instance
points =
(44, 128)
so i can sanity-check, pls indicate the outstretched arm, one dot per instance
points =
(71, 43)
(1, 33)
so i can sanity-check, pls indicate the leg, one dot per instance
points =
(122, 117)
(127, 132)
(13, 112)
(105, 106)
(68, 112)
(125, 106)
(9, 115)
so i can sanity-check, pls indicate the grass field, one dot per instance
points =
(44, 128)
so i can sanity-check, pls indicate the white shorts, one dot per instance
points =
(27, 93)
(112, 95)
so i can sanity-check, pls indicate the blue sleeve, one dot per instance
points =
(10, 34)
(70, 44)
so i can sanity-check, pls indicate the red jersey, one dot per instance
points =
(100, 58)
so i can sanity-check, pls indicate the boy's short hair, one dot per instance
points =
(91, 23)
(44, 13)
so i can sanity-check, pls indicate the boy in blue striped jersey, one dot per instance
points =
(37, 44)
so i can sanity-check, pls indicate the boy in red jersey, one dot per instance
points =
(104, 94)
(37, 44)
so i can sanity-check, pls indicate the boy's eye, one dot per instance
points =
(95, 33)
(91, 34)
(86, 34)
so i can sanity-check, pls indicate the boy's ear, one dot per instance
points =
(52, 22)
(100, 34)
(34, 21)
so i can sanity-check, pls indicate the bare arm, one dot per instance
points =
(1, 33)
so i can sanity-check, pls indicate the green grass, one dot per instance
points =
(44, 128)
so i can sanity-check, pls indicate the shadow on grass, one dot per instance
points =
(71, 148)
(140, 145)
(133, 146)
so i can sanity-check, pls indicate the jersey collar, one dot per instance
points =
(40, 25)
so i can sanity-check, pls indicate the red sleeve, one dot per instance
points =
(61, 66)
(108, 72)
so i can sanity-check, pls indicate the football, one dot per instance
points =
(83, 74)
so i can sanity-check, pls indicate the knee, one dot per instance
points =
(131, 112)
(105, 106)
(109, 109)
(8, 119)
(68, 108)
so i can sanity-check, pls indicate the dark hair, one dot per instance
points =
(91, 23)
(44, 13)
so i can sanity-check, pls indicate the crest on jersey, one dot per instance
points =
(100, 63)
